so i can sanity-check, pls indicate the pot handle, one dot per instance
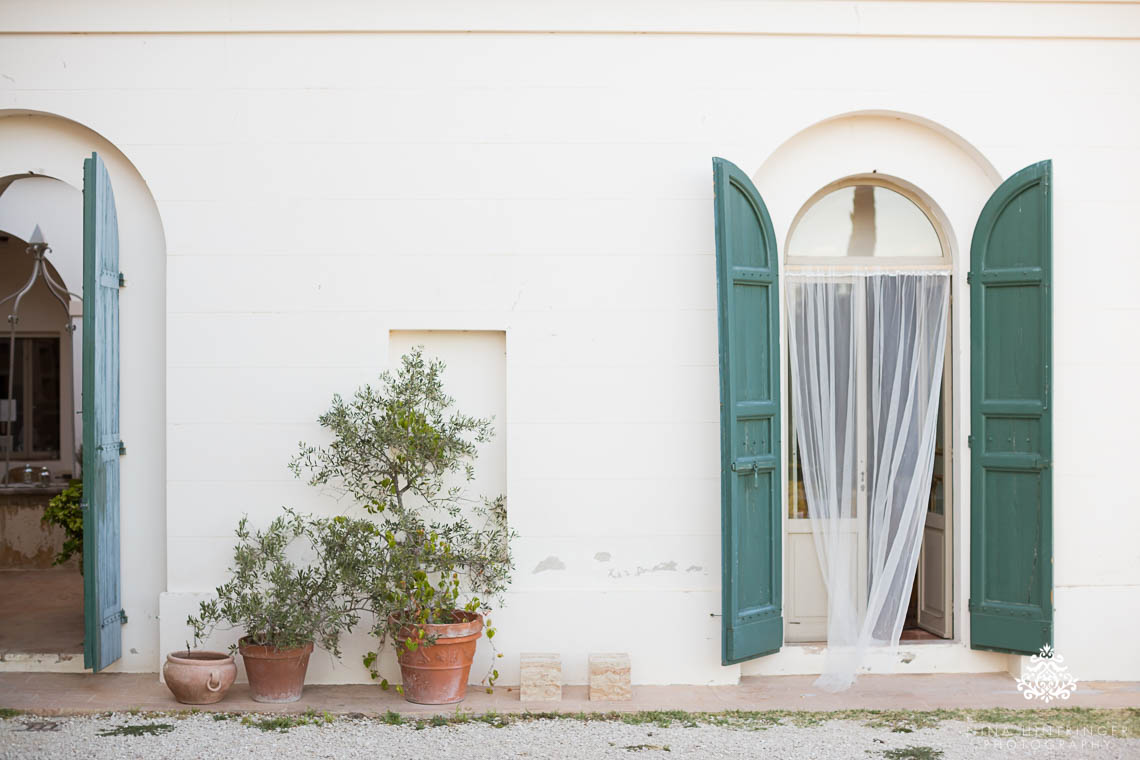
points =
(210, 680)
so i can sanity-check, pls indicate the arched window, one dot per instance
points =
(865, 221)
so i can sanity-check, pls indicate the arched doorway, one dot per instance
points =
(950, 181)
(42, 591)
(53, 149)
(861, 227)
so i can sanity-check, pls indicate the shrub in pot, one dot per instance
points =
(439, 561)
(292, 585)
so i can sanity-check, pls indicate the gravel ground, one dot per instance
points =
(201, 736)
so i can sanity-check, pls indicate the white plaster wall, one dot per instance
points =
(321, 189)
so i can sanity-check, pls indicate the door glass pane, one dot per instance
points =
(36, 372)
(797, 497)
(11, 415)
(864, 221)
(937, 488)
(44, 356)
(847, 455)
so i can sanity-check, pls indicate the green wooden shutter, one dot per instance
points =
(102, 599)
(749, 325)
(1011, 499)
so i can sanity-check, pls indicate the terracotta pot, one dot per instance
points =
(275, 675)
(437, 674)
(199, 678)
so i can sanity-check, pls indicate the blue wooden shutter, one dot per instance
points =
(749, 325)
(1011, 441)
(102, 598)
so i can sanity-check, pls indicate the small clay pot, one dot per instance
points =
(437, 674)
(199, 677)
(275, 675)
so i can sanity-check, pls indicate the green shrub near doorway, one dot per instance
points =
(65, 511)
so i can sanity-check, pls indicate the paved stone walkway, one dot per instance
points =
(77, 693)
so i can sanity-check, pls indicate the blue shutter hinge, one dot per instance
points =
(122, 448)
(83, 506)
(115, 617)
(122, 280)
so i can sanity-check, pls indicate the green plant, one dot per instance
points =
(64, 510)
(403, 453)
(142, 729)
(285, 722)
(913, 753)
(283, 604)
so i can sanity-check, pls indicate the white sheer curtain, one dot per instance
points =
(866, 360)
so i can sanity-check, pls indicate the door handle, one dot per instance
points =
(743, 468)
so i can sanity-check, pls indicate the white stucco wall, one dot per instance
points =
(320, 188)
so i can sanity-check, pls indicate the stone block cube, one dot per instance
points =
(610, 678)
(541, 679)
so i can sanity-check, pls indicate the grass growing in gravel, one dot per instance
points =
(8, 712)
(285, 722)
(1056, 722)
(913, 753)
(1042, 723)
(142, 729)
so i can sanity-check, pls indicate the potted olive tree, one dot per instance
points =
(440, 560)
(292, 585)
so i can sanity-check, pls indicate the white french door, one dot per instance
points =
(806, 590)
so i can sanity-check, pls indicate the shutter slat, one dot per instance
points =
(749, 330)
(102, 592)
(1011, 503)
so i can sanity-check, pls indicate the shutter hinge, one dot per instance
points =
(115, 617)
(83, 506)
(122, 280)
(122, 448)
(970, 441)
(969, 278)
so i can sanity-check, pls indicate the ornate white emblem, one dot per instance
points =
(1046, 677)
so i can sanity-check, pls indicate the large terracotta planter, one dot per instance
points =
(199, 678)
(437, 674)
(275, 675)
